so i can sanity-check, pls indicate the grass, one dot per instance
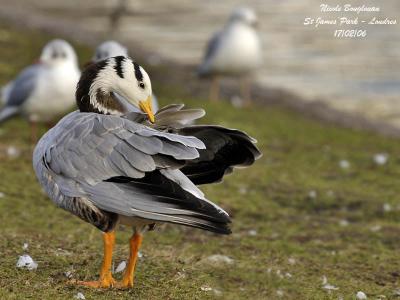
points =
(297, 216)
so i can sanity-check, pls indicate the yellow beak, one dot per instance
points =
(146, 107)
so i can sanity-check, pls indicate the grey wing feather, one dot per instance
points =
(120, 177)
(225, 148)
(5, 91)
(8, 112)
(23, 85)
(212, 48)
(15, 93)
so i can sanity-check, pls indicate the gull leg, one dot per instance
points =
(106, 280)
(245, 88)
(129, 275)
(214, 89)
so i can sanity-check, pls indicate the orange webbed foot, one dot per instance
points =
(106, 282)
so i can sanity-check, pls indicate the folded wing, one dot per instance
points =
(130, 169)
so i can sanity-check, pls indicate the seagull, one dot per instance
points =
(109, 165)
(233, 51)
(45, 90)
(110, 49)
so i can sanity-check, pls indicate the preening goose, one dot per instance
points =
(109, 165)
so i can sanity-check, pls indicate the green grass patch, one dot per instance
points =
(297, 215)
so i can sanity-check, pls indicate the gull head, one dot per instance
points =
(109, 49)
(244, 15)
(114, 86)
(58, 52)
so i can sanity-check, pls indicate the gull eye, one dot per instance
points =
(141, 84)
(54, 55)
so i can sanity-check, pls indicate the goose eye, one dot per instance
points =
(141, 84)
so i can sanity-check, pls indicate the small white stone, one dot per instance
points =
(218, 258)
(288, 275)
(252, 232)
(344, 164)
(25, 246)
(13, 152)
(376, 228)
(292, 261)
(25, 261)
(68, 274)
(2, 195)
(330, 287)
(206, 288)
(140, 254)
(279, 293)
(80, 296)
(121, 267)
(312, 194)
(380, 158)
(361, 295)
(387, 207)
(217, 293)
(344, 223)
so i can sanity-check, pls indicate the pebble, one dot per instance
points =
(218, 258)
(25, 261)
(380, 158)
(80, 296)
(344, 164)
(312, 194)
(361, 295)
(13, 152)
(121, 267)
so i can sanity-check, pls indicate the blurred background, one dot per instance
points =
(315, 218)
(350, 75)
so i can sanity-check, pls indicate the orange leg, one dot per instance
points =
(106, 280)
(135, 243)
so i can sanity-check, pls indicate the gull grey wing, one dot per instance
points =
(225, 149)
(5, 91)
(121, 167)
(23, 85)
(212, 48)
(16, 92)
